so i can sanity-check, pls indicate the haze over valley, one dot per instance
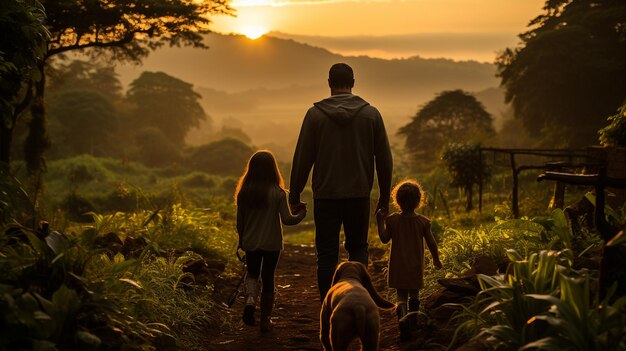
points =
(265, 86)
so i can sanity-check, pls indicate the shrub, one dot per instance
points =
(224, 157)
(76, 208)
(199, 180)
(615, 133)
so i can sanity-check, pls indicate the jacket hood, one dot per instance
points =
(341, 108)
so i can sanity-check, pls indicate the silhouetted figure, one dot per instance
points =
(407, 231)
(344, 138)
(261, 206)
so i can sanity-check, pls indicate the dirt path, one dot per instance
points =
(296, 314)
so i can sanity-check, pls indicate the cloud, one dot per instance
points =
(477, 46)
(280, 3)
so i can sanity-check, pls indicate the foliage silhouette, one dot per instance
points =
(562, 80)
(452, 116)
(166, 103)
(224, 157)
(466, 167)
(22, 45)
(121, 30)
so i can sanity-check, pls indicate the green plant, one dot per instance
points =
(615, 133)
(579, 323)
(467, 168)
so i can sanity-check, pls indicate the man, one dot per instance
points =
(344, 138)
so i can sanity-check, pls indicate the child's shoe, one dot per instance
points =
(414, 304)
(252, 291)
(267, 305)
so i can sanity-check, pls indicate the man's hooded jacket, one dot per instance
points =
(344, 138)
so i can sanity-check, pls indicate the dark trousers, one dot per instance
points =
(329, 215)
(263, 263)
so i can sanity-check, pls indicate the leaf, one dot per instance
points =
(88, 339)
(37, 244)
(56, 241)
(618, 239)
(134, 283)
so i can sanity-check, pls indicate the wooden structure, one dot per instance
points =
(613, 257)
(519, 160)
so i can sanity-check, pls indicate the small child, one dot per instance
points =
(261, 206)
(407, 230)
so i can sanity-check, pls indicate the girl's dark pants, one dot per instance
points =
(329, 215)
(263, 263)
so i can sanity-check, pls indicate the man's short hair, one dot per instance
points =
(341, 76)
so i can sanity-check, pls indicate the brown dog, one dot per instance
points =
(350, 309)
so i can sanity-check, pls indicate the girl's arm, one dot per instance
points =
(432, 247)
(383, 233)
(239, 224)
(285, 212)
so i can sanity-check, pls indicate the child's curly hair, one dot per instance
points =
(408, 195)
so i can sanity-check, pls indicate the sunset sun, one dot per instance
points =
(253, 32)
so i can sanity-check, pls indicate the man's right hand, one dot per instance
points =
(383, 204)
(298, 207)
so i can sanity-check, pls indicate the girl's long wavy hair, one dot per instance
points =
(260, 175)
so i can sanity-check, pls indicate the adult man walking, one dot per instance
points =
(343, 137)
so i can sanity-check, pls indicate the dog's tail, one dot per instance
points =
(379, 300)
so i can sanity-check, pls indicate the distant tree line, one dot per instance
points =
(89, 113)
(115, 29)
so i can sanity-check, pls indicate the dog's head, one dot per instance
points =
(358, 271)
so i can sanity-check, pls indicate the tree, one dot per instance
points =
(85, 75)
(166, 103)
(119, 29)
(82, 122)
(155, 149)
(224, 157)
(466, 167)
(22, 45)
(452, 116)
(565, 77)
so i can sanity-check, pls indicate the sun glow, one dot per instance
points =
(253, 32)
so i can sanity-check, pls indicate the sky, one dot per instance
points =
(458, 29)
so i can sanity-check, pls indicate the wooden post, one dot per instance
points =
(558, 195)
(514, 205)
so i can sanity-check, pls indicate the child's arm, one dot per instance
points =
(285, 212)
(432, 247)
(383, 233)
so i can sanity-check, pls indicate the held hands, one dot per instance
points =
(296, 209)
(381, 214)
(437, 263)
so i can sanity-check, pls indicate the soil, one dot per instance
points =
(296, 311)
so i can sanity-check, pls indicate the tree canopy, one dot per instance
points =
(85, 75)
(224, 157)
(567, 74)
(82, 122)
(22, 45)
(452, 116)
(116, 29)
(128, 29)
(166, 103)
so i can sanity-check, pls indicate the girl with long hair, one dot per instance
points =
(261, 207)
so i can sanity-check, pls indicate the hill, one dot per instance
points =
(268, 84)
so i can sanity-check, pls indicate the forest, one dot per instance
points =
(118, 222)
